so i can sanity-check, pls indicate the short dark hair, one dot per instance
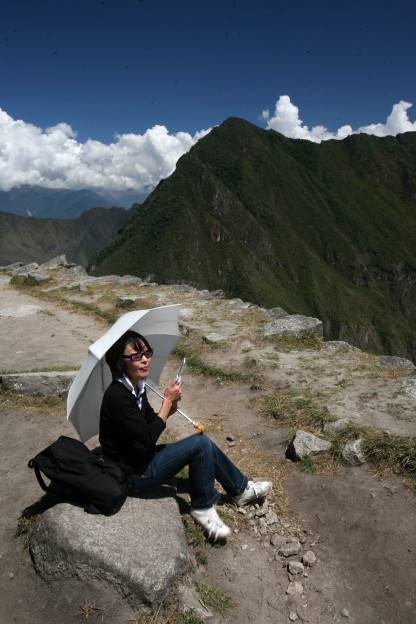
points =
(114, 358)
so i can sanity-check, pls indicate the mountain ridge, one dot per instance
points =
(30, 239)
(326, 229)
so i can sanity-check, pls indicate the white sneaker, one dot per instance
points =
(212, 523)
(253, 491)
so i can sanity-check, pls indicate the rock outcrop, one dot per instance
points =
(294, 325)
(139, 551)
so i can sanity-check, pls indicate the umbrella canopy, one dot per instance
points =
(159, 326)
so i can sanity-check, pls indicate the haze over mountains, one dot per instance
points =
(326, 230)
(35, 201)
(31, 239)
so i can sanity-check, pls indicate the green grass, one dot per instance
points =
(45, 369)
(191, 617)
(392, 452)
(214, 598)
(293, 408)
(194, 533)
(24, 282)
(24, 528)
(31, 403)
(195, 364)
(289, 343)
(107, 315)
(308, 464)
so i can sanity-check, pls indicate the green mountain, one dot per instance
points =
(28, 239)
(34, 201)
(325, 230)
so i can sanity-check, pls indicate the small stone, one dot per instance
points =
(296, 567)
(262, 526)
(213, 338)
(309, 558)
(392, 360)
(241, 510)
(293, 616)
(294, 588)
(352, 454)
(290, 549)
(277, 540)
(271, 517)
(230, 438)
(345, 613)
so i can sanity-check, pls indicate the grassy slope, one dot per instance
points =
(325, 230)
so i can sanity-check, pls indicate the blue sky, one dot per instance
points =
(157, 73)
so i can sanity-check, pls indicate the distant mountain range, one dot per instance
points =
(29, 239)
(34, 201)
(325, 230)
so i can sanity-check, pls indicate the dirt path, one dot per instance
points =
(37, 333)
(361, 528)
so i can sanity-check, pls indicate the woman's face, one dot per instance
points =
(138, 369)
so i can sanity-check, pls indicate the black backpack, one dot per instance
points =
(81, 476)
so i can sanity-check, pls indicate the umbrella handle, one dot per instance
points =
(197, 425)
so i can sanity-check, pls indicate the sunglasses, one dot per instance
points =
(136, 357)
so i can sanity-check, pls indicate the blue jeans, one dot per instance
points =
(206, 463)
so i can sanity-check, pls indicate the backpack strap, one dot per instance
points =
(45, 488)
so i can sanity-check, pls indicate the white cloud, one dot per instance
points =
(286, 121)
(53, 158)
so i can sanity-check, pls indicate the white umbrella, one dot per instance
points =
(159, 326)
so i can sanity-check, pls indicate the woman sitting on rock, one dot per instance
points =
(130, 428)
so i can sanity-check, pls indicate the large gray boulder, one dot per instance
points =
(275, 313)
(11, 267)
(54, 263)
(294, 325)
(25, 269)
(393, 360)
(139, 551)
(76, 270)
(39, 384)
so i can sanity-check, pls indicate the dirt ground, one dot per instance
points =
(360, 526)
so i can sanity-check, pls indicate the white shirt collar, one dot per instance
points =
(127, 383)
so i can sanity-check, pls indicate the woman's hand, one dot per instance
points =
(172, 394)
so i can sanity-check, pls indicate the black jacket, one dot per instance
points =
(128, 435)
